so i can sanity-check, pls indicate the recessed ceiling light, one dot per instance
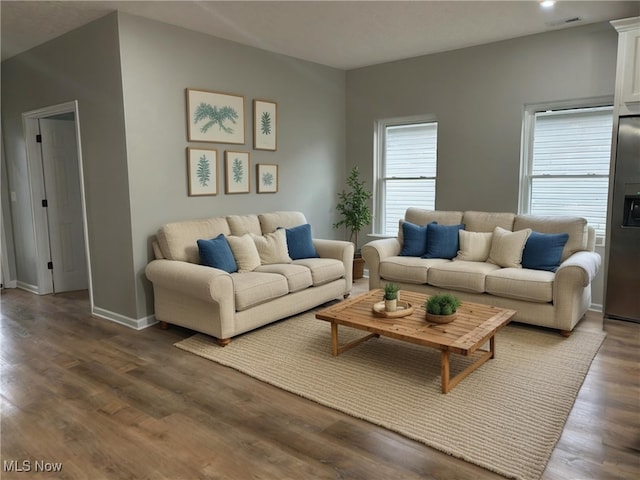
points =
(547, 3)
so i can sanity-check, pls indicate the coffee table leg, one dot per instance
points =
(338, 349)
(444, 370)
(334, 339)
(449, 383)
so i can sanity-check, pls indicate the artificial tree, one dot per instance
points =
(353, 206)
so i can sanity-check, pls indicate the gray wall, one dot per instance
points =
(158, 62)
(130, 73)
(82, 65)
(478, 96)
(133, 127)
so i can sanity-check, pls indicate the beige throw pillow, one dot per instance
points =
(245, 252)
(474, 246)
(506, 247)
(272, 247)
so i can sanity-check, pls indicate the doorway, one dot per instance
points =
(54, 159)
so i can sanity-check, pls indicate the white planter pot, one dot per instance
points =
(391, 305)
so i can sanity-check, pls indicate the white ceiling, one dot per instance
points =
(341, 34)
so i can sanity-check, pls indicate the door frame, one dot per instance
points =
(37, 190)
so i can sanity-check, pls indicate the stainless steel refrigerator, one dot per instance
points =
(622, 300)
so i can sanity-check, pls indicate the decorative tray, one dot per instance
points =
(403, 309)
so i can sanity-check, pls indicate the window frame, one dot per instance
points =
(379, 162)
(527, 141)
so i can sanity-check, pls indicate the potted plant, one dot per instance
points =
(353, 206)
(441, 308)
(391, 297)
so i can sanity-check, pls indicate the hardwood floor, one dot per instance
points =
(108, 402)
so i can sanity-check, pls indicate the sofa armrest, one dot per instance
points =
(580, 268)
(376, 251)
(198, 281)
(572, 288)
(340, 250)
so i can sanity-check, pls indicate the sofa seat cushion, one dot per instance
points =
(461, 275)
(521, 283)
(253, 288)
(298, 276)
(323, 270)
(408, 269)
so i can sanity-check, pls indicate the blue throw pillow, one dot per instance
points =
(414, 240)
(300, 243)
(217, 253)
(543, 251)
(442, 241)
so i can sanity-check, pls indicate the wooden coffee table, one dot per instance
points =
(475, 325)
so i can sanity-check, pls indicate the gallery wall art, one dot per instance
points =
(237, 172)
(265, 125)
(267, 178)
(219, 117)
(215, 117)
(202, 171)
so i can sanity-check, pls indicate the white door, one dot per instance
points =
(64, 209)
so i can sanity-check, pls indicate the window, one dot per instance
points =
(405, 169)
(566, 163)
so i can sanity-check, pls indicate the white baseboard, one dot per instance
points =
(136, 324)
(596, 307)
(28, 287)
(10, 284)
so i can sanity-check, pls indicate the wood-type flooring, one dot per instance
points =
(96, 400)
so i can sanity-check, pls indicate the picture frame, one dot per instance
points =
(215, 117)
(202, 171)
(237, 172)
(265, 125)
(266, 178)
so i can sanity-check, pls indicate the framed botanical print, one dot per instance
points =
(215, 117)
(202, 171)
(267, 178)
(237, 173)
(265, 125)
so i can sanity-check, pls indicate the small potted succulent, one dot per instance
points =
(391, 297)
(441, 308)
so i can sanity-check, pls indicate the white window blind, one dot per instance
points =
(407, 171)
(568, 170)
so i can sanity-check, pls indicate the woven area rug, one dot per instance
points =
(506, 416)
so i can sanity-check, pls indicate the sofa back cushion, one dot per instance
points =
(488, 221)
(576, 227)
(241, 224)
(269, 222)
(419, 216)
(178, 240)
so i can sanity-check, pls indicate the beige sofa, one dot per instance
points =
(221, 304)
(546, 298)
